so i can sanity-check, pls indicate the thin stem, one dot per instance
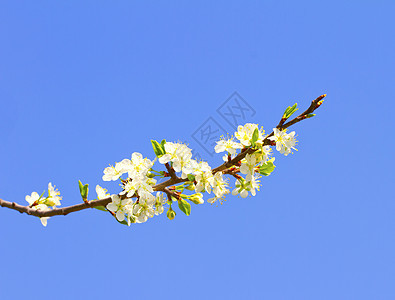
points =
(173, 180)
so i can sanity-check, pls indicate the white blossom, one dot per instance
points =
(159, 202)
(101, 192)
(32, 198)
(180, 155)
(113, 173)
(219, 188)
(117, 206)
(244, 134)
(228, 145)
(248, 165)
(53, 198)
(284, 142)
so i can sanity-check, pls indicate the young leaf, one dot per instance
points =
(157, 148)
(255, 136)
(162, 144)
(184, 206)
(267, 168)
(290, 110)
(83, 190)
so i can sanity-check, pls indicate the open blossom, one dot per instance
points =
(219, 188)
(101, 192)
(44, 203)
(119, 207)
(228, 145)
(139, 186)
(113, 173)
(180, 155)
(139, 166)
(159, 202)
(243, 187)
(248, 165)
(263, 154)
(144, 209)
(254, 184)
(32, 198)
(284, 142)
(205, 181)
(53, 198)
(244, 134)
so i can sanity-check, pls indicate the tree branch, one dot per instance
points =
(174, 179)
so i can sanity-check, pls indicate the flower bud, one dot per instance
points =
(196, 198)
(190, 187)
(171, 214)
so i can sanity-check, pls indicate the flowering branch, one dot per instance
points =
(253, 160)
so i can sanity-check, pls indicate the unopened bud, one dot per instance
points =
(190, 187)
(171, 214)
(196, 198)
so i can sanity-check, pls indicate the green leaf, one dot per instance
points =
(162, 144)
(157, 148)
(84, 189)
(191, 177)
(255, 136)
(184, 206)
(100, 208)
(267, 168)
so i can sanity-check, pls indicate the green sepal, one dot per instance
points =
(157, 148)
(184, 206)
(191, 177)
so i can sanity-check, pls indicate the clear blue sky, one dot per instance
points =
(86, 84)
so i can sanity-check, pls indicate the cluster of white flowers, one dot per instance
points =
(136, 203)
(180, 156)
(198, 174)
(38, 202)
(139, 184)
(203, 179)
(136, 211)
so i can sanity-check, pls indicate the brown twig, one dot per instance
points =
(226, 168)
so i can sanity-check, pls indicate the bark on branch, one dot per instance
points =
(174, 179)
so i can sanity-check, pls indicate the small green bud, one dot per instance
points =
(190, 187)
(171, 214)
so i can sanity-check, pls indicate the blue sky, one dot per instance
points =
(83, 85)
